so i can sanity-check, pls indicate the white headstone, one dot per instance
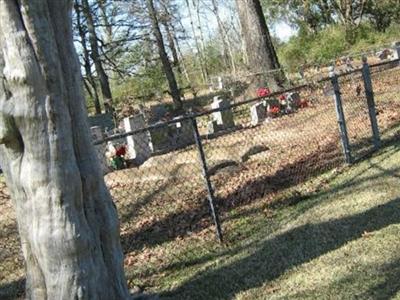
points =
(258, 113)
(139, 144)
(220, 83)
(223, 118)
(396, 54)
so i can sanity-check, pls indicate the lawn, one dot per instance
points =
(339, 242)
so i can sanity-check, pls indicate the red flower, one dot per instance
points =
(263, 92)
(274, 110)
(121, 151)
(282, 97)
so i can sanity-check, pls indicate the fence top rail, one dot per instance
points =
(380, 64)
(189, 115)
(385, 63)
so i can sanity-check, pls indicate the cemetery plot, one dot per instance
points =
(252, 153)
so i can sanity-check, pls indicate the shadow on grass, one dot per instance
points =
(132, 208)
(281, 253)
(197, 217)
(354, 183)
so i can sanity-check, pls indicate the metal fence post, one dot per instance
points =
(369, 92)
(204, 168)
(340, 116)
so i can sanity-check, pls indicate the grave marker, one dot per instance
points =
(258, 113)
(139, 144)
(224, 117)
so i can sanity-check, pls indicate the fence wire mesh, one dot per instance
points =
(385, 80)
(356, 114)
(263, 148)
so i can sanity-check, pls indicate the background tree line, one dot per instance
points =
(136, 50)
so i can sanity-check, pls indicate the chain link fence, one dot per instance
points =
(178, 179)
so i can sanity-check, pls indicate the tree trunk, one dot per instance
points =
(170, 36)
(181, 59)
(95, 54)
(67, 222)
(199, 53)
(169, 73)
(260, 50)
(86, 58)
(226, 49)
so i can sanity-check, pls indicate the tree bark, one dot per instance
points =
(260, 50)
(169, 73)
(95, 55)
(67, 222)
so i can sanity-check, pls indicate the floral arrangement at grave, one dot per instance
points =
(263, 92)
(116, 156)
(274, 108)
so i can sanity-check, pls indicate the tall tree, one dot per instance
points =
(82, 30)
(228, 54)
(166, 21)
(382, 13)
(200, 53)
(350, 13)
(169, 73)
(260, 50)
(95, 55)
(67, 222)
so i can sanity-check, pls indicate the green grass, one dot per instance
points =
(339, 242)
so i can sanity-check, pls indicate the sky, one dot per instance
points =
(283, 31)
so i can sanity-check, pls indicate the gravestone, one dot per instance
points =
(396, 46)
(223, 118)
(293, 101)
(160, 137)
(182, 133)
(98, 135)
(139, 144)
(220, 83)
(213, 127)
(384, 54)
(258, 113)
(217, 84)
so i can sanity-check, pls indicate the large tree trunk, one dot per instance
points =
(169, 73)
(260, 50)
(95, 54)
(67, 222)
